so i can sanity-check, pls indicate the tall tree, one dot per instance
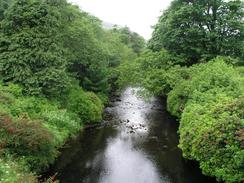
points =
(81, 36)
(4, 4)
(30, 51)
(200, 29)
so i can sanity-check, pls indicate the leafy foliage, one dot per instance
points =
(12, 172)
(86, 104)
(207, 98)
(212, 78)
(157, 72)
(33, 127)
(196, 61)
(30, 52)
(200, 29)
(211, 128)
(29, 139)
(57, 67)
(217, 140)
(92, 53)
(4, 4)
(86, 57)
(131, 39)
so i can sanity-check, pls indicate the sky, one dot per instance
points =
(138, 15)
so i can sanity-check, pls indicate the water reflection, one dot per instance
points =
(140, 146)
(123, 163)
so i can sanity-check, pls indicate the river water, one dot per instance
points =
(138, 146)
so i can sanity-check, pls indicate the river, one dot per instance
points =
(138, 146)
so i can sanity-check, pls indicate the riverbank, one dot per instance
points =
(207, 98)
(112, 153)
(33, 129)
(57, 66)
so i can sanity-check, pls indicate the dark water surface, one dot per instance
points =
(140, 146)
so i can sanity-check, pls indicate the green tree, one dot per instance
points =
(81, 36)
(30, 51)
(201, 29)
(92, 52)
(4, 4)
(131, 39)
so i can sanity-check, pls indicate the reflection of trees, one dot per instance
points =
(77, 160)
(164, 152)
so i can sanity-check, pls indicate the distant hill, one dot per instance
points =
(107, 25)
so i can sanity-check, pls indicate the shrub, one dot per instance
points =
(161, 81)
(215, 76)
(86, 104)
(213, 134)
(11, 88)
(62, 124)
(208, 99)
(157, 72)
(27, 138)
(16, 103)
(33, 106)
(210, 106)
(33, 127)
(31, 130)
(103, 97)
(13, 172)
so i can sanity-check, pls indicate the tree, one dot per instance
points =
(86, 58)
(199, 29)
(30, 51)
(4, 4)
(131, 39)
(92, 53)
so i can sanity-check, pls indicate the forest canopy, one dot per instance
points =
(201, 29)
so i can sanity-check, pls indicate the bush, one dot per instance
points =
(103, 97)
(33, 106)
(161, 81)
(213, 134)
(210, 105)
(156, 72)
(28, 139)
(11, 89)
(62, 124)
(16, 171)
(13, 101)
(208, 98)
(86, 104)
(214, 77)
(12, 172)
(31, 130)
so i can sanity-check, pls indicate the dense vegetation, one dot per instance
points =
(200, 30)
(58, 66)
(57, 69)
(195, 59)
